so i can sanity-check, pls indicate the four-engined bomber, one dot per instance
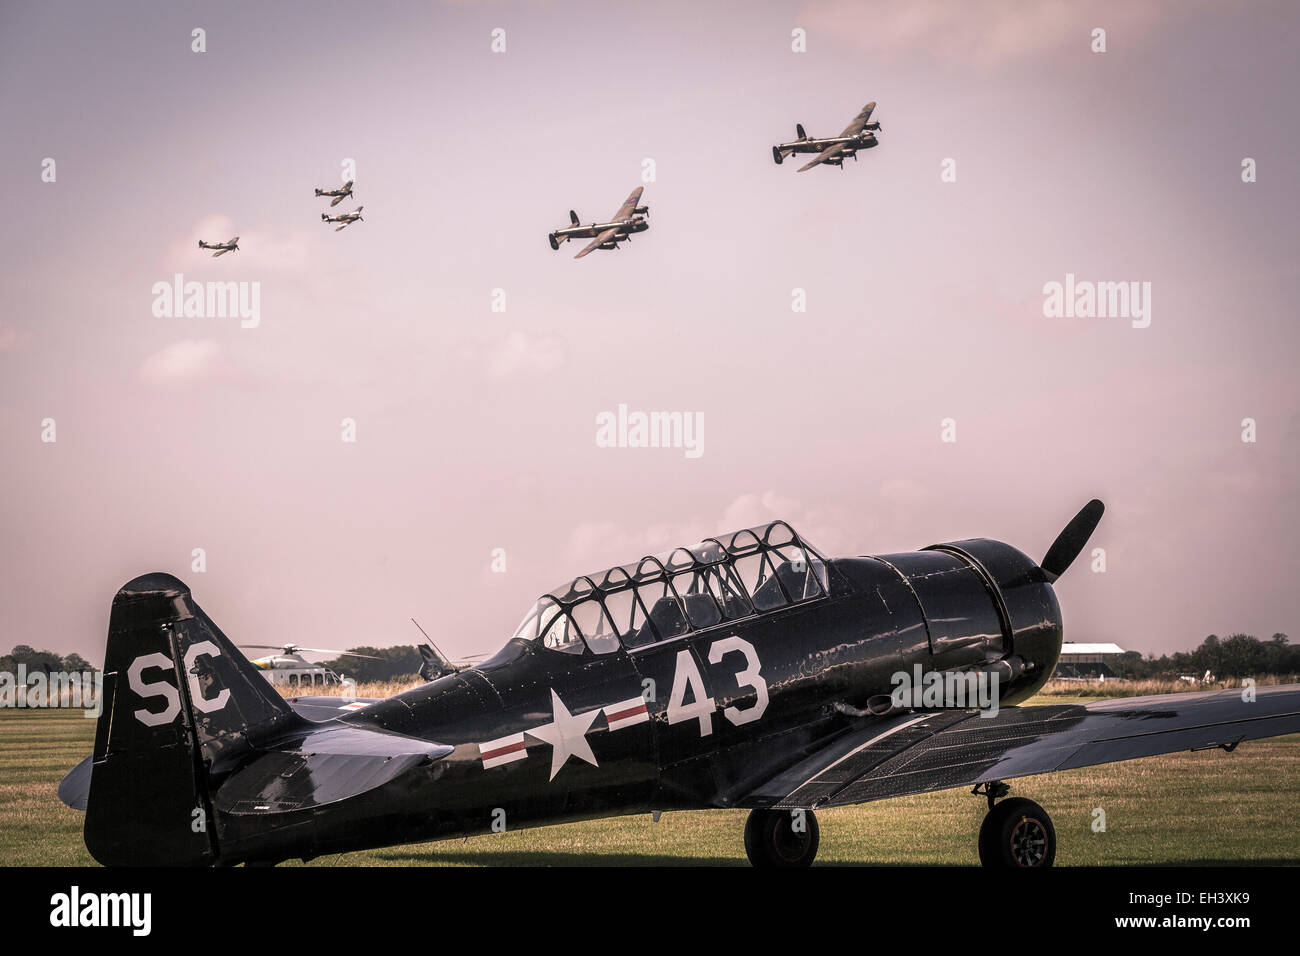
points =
(746, 671)
(860, 134)
(629, 219)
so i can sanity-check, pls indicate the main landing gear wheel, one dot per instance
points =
(781, 838)
(1017, 834)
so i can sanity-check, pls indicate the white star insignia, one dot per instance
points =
(567, 734)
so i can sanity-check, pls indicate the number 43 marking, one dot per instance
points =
(702, 706)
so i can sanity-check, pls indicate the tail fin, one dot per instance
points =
(798, 128)
(573, 217)
(181, 706)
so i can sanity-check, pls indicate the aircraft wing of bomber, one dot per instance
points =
(744, 671)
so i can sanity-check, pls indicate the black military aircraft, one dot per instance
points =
(833, 150)
(432, 662)
(746, 671)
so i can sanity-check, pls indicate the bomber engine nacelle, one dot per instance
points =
(642, 210)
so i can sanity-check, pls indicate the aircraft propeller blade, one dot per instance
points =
(1071, 541)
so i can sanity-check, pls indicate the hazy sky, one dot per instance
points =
(476, 429)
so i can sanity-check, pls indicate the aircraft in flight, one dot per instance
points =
(606, 235)
(230, 245)
(347, 218)
(858, 135)
(339, 194)
(747, 671)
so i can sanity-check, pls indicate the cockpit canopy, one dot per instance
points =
(687, 589)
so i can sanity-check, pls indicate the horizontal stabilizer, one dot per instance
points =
(323, 767)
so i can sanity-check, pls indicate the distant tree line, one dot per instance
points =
(1238, 655)
(394, 663)
(45, 661)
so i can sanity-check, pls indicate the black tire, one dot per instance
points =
(771, 840)
(1017, 834)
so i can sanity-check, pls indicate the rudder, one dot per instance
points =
(181, 707)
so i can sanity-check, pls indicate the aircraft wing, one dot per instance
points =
(859, 121)
(629, 204)
(605, 236)
(336, 200)
(824, 155)
(918, 753)
(220, 253)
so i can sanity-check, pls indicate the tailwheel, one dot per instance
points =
(1017, 834)
(781, 838)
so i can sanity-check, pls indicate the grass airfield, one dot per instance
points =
(1209, 808)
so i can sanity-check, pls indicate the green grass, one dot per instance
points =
(1188, 809)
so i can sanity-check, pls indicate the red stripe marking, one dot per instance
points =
(501, 751)
(630, 712)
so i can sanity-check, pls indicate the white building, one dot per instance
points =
(1091, 661)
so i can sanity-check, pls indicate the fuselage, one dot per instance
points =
(864, 140)
(623, 226)
(542, 735)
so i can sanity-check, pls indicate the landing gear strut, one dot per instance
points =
(781, 838)
(1017, 833)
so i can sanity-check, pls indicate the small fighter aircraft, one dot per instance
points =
(745, 671)
(606, 235)
(339, 194)
(347, 218)
(858, 135)
(230, 245)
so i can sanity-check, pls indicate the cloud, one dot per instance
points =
(600, 544)
(185, 361)
(522, 353)
(10, 338)
(753, 509)
(906, 492)
(988, 34)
